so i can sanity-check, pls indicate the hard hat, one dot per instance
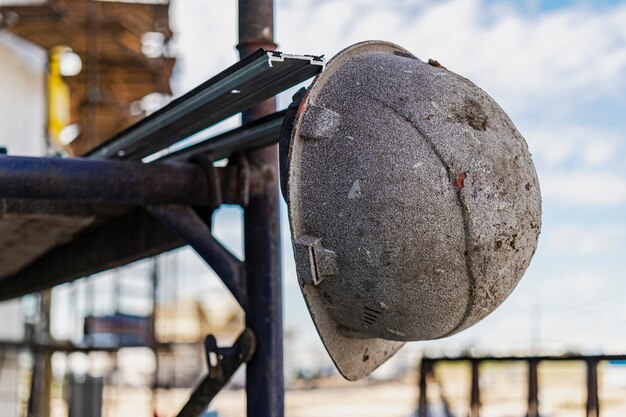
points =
(413, 201)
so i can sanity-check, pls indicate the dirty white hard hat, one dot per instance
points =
(413, 200)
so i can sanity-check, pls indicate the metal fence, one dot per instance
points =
(427, 373)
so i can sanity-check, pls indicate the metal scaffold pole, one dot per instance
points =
(264, 380)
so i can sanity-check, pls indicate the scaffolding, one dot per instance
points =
(111, 208)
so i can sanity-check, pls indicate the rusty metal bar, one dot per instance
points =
(100, 181)
(264, 373)
(475, 390)
(533, 389)
(593, 403)
(123, 235)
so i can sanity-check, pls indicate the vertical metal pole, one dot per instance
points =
(593, 403)
(264, 378)
(154, 343)
(46, 356)
(35, 378)
(40, 388)
(533, 388)
(475, 390)
(422, 410)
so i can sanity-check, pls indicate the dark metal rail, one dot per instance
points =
(257, 77)
(102, 181)
(251, 136)
(427, 370)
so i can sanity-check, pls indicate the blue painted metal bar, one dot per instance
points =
(101, 181)
(187, 224)
(264, 373)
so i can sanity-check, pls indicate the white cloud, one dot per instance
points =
(552, 62)
(579, 165)
(576, 239)
(528, 61)
(602, 189)
(582, 146)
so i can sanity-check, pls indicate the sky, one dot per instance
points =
(558, 68)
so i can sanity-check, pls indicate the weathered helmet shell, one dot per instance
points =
(414, 203)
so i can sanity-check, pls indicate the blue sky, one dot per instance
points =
(557, 67)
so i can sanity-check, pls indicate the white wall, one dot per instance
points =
(22, 96)
(22, 124)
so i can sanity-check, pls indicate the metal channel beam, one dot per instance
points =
(253, 135)
(259, 76)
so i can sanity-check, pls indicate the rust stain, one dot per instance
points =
(435, 63)
(460, 180)
(429, 117)
(303, 104)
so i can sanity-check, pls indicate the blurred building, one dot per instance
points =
(22, 127)
(123, 69)
(74, 73)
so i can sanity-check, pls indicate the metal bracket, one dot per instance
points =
(206, 162)
(222, 363)
(237, 180)
(314, 262)
(235, 183)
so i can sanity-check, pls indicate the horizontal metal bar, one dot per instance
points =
(60, 346)
(252, 80)
(119, 235)
(100, 181)
(187, 224)
(254, 135)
